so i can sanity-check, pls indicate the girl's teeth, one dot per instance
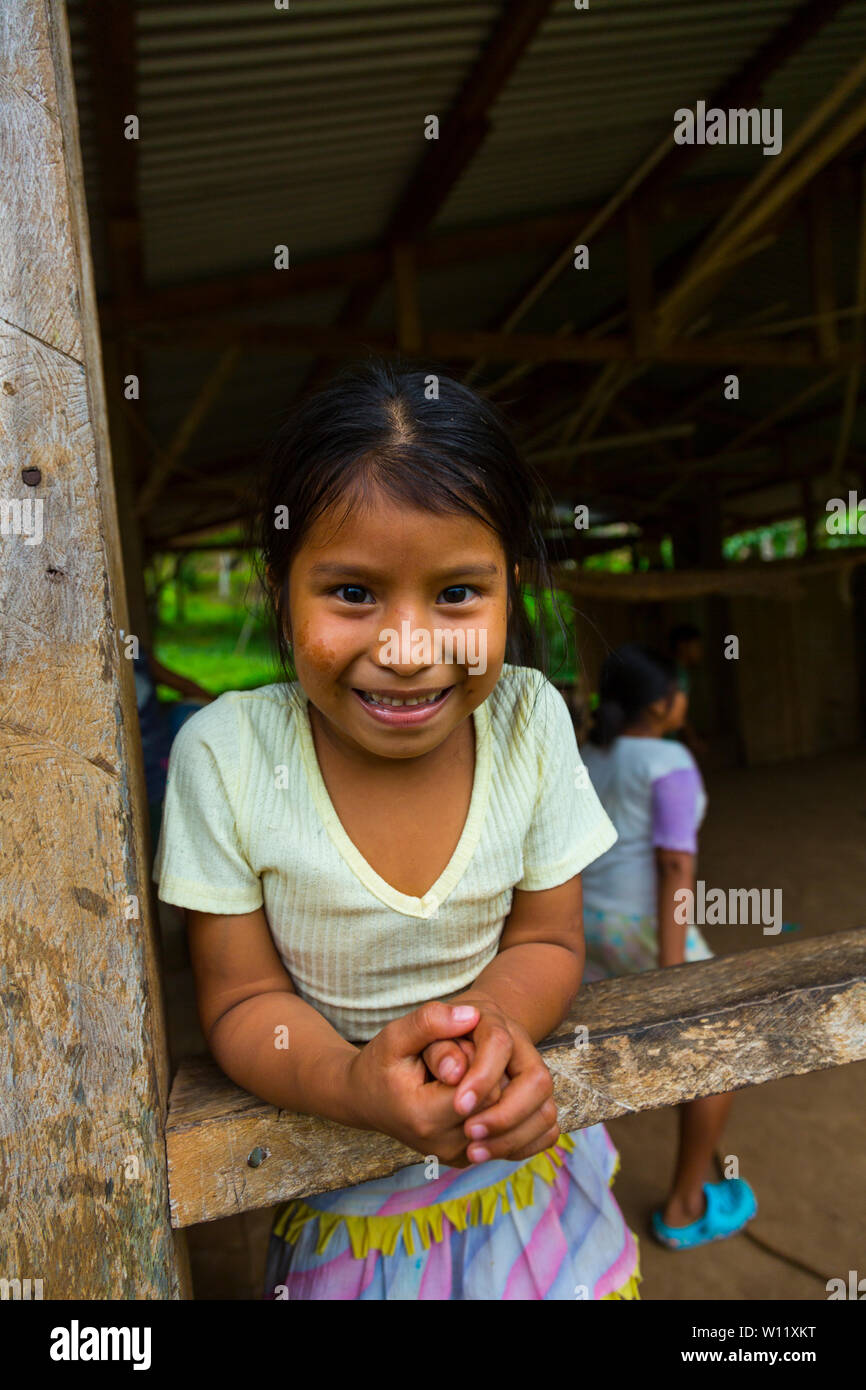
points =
(398, 704)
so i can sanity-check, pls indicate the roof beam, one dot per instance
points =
(668, 160)
(445, 249)
(744, 88)
(462, 345)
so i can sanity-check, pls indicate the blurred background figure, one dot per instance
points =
(159, 724)
(634, 919)
(687, 651)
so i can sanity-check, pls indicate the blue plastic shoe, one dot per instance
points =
(731, 1203)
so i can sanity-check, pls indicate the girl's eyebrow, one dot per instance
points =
(326, 569)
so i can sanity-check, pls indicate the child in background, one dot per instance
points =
(652, 790)
(686, 645)
(381, 860)
(157, 729)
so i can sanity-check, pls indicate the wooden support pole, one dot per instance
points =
(809, 513)
(406, 299)
(123, 454)
(82, 1110)
(639, 278)
(821, 268)
(111, 53)
(652, 1040)
(852, 384)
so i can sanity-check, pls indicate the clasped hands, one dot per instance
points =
(461, 1081)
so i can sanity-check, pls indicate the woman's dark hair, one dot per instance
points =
(632, 677)
(423, 439)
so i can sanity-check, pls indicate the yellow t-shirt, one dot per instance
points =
(248, 821)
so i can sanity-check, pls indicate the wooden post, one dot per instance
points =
(821, 267)
(83, 1107)
(408, 315)
(639, 278)
(111, 59)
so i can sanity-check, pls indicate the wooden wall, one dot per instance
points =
(796, 690)
(797, 674)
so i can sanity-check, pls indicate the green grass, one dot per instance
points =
(203, 645)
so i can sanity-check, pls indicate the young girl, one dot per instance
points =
(652, 790)
(383, 856)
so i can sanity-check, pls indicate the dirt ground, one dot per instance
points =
(800, 827)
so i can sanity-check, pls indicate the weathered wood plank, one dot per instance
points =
(38, 274)
(651, 1040)
(85, 1082)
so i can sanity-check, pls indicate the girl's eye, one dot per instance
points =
(457, 593)
(352, 593)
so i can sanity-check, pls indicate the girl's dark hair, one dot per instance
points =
(379, 425)
(632, 677)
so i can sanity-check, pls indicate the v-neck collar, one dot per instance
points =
(349, 852)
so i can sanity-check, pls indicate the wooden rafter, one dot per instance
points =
(668, 160)
(826, 314)
(852, 384)
(460, 345)
(432, 252)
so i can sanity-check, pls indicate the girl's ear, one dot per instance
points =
(516, 588)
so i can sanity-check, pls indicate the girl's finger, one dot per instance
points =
(468, 1046)
(545, 1140)
(529, 1088)
(447, 1061)
(449, 1066)
(505, 1116)
(494, 1046)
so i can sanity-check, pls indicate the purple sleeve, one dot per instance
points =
(675, 810)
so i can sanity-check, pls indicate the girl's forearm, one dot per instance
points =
(534, 983)
(282, 1050)
(671, 933)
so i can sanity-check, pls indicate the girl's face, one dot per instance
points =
(397, 604)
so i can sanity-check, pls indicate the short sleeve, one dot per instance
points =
(200, 862)
(676, 798)
(569, 827)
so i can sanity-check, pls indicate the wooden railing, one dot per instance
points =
(635, 1043)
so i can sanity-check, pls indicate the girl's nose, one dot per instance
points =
(405, 644)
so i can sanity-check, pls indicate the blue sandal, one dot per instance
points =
(731, 1203)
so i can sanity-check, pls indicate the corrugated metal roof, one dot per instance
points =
(303, 126)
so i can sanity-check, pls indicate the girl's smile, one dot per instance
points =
(409, 707)
(386, 567)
